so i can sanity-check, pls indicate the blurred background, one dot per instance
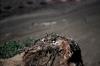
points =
(76, 19)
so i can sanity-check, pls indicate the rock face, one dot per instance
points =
(53, 50)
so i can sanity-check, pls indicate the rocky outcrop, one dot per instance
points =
(53, 50)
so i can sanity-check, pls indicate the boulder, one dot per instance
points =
(53, 50)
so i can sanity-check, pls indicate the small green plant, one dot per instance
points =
(10, 48)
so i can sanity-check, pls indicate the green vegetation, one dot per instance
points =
(10, 48)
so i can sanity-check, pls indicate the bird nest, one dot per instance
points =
(53, 50)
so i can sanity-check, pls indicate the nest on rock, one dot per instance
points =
(53, 50)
